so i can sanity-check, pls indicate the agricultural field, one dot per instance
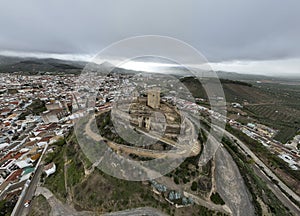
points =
(273, 113)
(273, 103)
(280, 117)
(283, 114)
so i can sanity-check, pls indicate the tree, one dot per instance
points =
(176, 180)
(194, 186)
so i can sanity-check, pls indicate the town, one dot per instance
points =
(36, 111)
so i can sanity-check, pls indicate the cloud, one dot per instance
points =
(251, 30)
(284, 67)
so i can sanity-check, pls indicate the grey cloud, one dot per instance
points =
(221, 30)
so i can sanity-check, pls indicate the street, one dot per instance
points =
(29, 193)
(265, 173)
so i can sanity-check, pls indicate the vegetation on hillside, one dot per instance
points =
(6, 207)
(39, 206)
(103, 193)
(255, 185)
(216, 198)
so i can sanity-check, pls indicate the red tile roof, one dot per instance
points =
(7, 156)
(11, 155)
(48, 166)
(15, 175)
(45, 139)
(31, 143)
(14, 102)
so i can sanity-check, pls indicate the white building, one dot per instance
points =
(50, 169)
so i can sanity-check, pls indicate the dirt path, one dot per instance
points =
(130, 149)
(57, 207)
(225, 209)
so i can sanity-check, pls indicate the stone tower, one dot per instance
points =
(154, 98)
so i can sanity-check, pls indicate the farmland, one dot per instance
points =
(275, 104)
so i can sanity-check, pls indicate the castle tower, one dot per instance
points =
(154, 98)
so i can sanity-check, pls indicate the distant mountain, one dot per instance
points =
(38, 66)
(41, 66)
(242, 77)
(106, 68)
(34, 66)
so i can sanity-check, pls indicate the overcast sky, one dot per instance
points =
(256, 36)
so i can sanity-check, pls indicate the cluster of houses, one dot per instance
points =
(262, 130)
(25, 135)
(264, 135)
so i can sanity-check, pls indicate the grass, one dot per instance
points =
(103, 193)
(109, 193)
(274, 105)
(75, 169)
(56, 181)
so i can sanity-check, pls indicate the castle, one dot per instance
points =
(154, 98)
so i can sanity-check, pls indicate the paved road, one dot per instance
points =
(29, 192)
(264, 172)
(276, 190)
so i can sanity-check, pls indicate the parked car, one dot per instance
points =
(27, 203)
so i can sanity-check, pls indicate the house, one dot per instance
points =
(53, 115)
(50, 116)
(174, 195)
(50, 169)
(23, 164)
(237, 105)
(251, 125)
(43, 141)
(55, 139)
(54, 105)
(35, 157)
(27, 172)
(3, 145)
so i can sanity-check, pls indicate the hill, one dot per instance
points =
(38, 66)
(34, 66)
